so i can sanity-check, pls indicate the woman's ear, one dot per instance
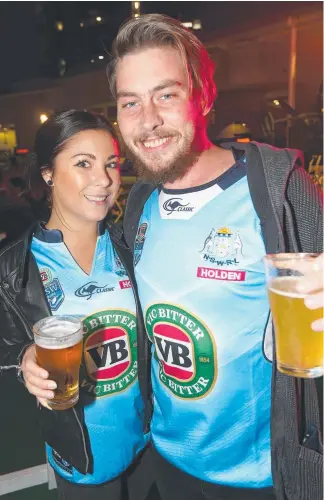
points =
(47, 175)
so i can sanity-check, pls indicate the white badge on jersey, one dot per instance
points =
(184, 206)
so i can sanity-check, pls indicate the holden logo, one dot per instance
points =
(109, 352)
(175, 205)
(184, 349)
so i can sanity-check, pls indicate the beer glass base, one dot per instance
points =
(64, 404)
(318, 371)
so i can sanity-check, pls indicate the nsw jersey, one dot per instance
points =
(201, 283)
(108, 377)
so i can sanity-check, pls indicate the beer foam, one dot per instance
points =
(286, 293)
(53, 333)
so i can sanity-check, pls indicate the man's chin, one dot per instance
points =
(170, 172)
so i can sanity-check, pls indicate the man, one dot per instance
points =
(199, 267)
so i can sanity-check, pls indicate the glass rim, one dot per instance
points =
(73, 319)
(290, 256)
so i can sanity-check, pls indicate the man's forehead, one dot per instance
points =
(149, 68)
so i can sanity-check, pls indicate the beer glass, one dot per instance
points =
(299, 349)
(58, 342)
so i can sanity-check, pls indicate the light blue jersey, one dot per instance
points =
(201, 282)
(108, 377)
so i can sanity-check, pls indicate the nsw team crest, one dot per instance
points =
(54, 293)
(222, 244)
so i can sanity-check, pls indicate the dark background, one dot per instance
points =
(31, 46)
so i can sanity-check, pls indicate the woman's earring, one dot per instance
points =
(49, 182)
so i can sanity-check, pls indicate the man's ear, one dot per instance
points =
(207, 108)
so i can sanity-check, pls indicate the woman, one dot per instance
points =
(74, 265)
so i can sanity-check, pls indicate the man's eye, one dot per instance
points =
(167, 97)
(83, 164)
(129, 104)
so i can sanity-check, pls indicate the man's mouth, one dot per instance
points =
(156, 144)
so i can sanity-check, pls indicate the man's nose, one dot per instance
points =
(151, 118)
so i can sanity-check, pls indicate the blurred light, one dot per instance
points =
(115, 123)
(22, 151)
(322, 110)
(243, 139)
(98, 19)
(276, 102)
(187, 25)
(196, 25)
(243, 124)
(59, 26)
(92, 60)
(100, 57)
(43, 118)
(136, 15)
(136, 5)
(81, 25)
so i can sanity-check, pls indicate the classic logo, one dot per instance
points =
(91, 288)
(139, 242)
(46, 275)
(175, 205)
(222, 247)
(184, 349)
(54, 294)
(110, 354)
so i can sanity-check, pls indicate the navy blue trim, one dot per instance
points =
(227, 179)
(56, 236)
(231, 176)
(48, 235)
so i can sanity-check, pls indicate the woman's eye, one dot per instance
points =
(114, 164)
(83, 164)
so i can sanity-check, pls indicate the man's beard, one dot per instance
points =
(164, 172)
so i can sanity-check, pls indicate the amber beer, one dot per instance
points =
(58, 342)
(299, 349)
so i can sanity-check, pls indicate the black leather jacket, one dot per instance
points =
(22, 303)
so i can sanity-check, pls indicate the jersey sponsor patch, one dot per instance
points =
(220, 274)
(139, 242)
(110, 354)
(46, 275)
(125, 284)
(222, 247)
(92, 288)
(185, 350)
(54, 293)
(176, 204)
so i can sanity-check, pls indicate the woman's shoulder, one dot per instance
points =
(13, 254)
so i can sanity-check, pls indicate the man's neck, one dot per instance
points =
(212, 162)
